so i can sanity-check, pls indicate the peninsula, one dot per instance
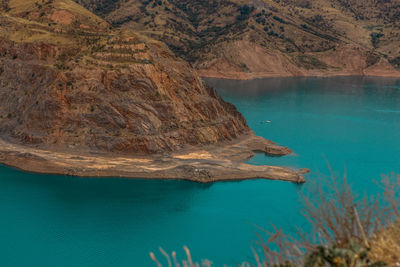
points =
(81, 98)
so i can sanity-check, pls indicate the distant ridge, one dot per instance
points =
(262, 38)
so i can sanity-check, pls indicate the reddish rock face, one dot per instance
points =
(152, 104)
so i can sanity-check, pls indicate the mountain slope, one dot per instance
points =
(68, 81)
(258, 38)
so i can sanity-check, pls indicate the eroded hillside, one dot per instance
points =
(67, 80)
(259, 38)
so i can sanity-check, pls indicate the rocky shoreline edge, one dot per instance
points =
(222, 162)
(243, 76)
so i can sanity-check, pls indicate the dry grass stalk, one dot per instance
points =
(391, 192)
(278, 248)
(385, 245)
(337, 216)
(188, 262)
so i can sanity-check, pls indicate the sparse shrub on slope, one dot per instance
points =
(4, 6)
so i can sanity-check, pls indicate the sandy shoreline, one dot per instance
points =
(208, 164)
(233, 75)
(251, 76)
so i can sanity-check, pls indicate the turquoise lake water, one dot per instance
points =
(352, 123)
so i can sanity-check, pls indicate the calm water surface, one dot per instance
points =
(352, 123)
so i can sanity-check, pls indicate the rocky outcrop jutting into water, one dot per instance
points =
(68, 83)
(148, 107)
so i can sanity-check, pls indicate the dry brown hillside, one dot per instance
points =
(257, 38)
(67, 80)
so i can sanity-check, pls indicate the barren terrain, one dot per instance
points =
(209, 164)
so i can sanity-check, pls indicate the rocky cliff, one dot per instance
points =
(67, 81)
(80, 98)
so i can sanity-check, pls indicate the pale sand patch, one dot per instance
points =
(62, 16)
(195, 155)
(136, 160)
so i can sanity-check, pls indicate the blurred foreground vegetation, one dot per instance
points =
(347, 231)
